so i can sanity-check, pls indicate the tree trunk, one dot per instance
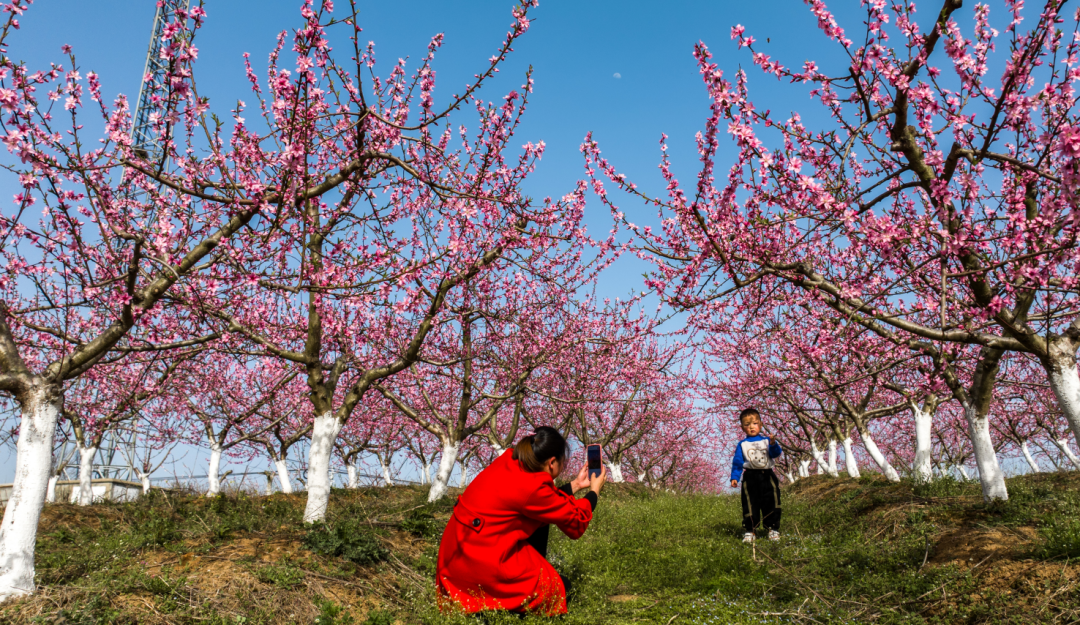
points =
(878, 457)
(50, 492)
(354, 475)
(144, 480)
(33, 467)
(498, 449)
(1063, 445)
(850, 463)
(804, 468)
(446, 466)
(283, 476)
(427, 473)
(963, 472)
(832, 458)
(1030, 459)
(212, 479)
(991, 476)
(86, 475)
(819, 457)
(464, 479)
(924, 421)
(388, 480)
(269, 483)
(323, 434)
(614, 472)
(790, 477)
(1065, 382)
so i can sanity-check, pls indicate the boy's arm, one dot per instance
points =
(774, 448)
(737, 463)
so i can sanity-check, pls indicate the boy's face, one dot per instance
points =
(751, 425)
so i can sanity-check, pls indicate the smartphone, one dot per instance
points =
(593, 454)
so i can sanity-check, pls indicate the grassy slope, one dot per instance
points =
(853, 551)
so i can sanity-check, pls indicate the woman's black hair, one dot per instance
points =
(535, 450)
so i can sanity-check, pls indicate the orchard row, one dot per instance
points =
(341, 270)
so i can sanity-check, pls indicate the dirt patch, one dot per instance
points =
(622, 598)
(972, 547)
(821, 487)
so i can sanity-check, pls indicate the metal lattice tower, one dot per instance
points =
(142, 132)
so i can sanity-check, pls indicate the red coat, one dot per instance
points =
(484, 561)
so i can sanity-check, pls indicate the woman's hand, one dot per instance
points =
(582, 479)
(596, 482)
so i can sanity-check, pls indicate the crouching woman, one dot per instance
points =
(493, 552)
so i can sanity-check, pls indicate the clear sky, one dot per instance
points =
(621, 69)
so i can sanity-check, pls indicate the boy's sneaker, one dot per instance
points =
(748, 537)
(774, 535)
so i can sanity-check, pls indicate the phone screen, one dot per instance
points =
(593, 453)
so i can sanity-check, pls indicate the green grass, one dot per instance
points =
(853, 551)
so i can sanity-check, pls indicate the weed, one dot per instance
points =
(331, 613)
(379, 617)
(283, 575)
(350, 540)
(1062, 538)
(422, 524)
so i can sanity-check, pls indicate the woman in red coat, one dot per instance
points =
(493, 552)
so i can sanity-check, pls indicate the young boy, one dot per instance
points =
(760, 489)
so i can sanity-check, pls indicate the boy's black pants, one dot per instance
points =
(760, 499)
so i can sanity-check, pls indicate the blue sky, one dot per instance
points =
(622, 70)
(575, 48)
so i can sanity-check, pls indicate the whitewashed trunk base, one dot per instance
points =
(213, 481)
(33, 468)
(1029, 458)
(86, 475)
(446, 467)
(924, 421)
(850, 462)
(283, 476)
(879, 458)
(324, 432)
(991, 477)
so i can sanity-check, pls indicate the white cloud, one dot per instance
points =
(618, 75)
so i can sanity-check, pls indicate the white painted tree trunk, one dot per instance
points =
(850, 462)
(790, 477)
(498, 449)
(991, 477)
(269, 483)
(822, 461)
(144, 479)
(354, 475)
(614, 472)
(446, 467)
(963, 472)
(388, 480)
(50, 492)
(832, 458)
(213, 482)
(283, 475)
(33, 467)
(426, 477)
(86, 475)
(924, 421)
(1063, 445)
(878, 457)
(1030, 459)
(324, 431)
(804, 468)
(819, 456)
(1065, 382)
(463, 480)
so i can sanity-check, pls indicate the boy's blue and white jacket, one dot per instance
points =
(754, 452)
